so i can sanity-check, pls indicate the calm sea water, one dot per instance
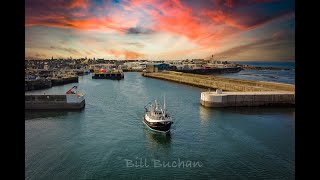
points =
(282, 76)
(101, 141)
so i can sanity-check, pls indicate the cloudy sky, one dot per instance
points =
(249, 30)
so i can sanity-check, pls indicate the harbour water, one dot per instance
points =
(282, 76)
(108, 140)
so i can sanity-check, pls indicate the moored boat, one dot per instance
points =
(115, 74)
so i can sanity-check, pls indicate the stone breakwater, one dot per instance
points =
(226, 84)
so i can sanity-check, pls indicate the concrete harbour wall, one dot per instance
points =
(234, 99)
(52, 102)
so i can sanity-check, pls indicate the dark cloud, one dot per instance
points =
(69, 50)
(138, 30)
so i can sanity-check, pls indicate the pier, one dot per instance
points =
(234, 99)
(70, 101)
(44, 83)
(54, 102)
(226, 84)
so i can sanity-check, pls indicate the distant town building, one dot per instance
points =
(155, 67)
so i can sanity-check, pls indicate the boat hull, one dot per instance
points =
(158, 126)
(117, 76)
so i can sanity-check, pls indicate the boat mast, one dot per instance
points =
(164, 104)
(156, 104)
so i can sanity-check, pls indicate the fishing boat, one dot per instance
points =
(157, 118)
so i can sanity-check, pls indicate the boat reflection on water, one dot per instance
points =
(157, 139)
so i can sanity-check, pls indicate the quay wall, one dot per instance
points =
(37, 84)
(226, 84)
(64, 80)
(53, 102)
(31, 85)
